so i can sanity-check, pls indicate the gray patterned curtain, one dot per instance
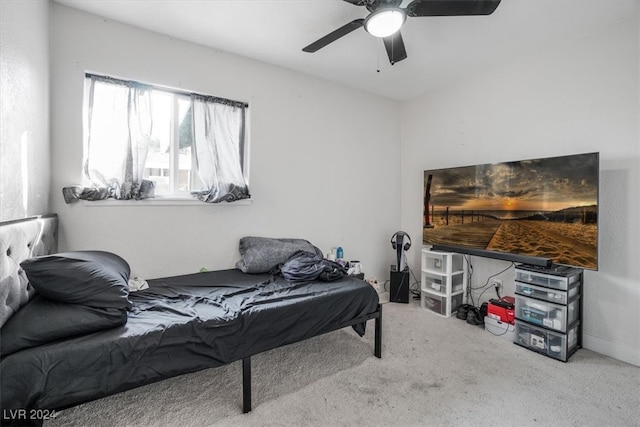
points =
(218, 137)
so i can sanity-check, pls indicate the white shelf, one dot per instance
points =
(443, 281)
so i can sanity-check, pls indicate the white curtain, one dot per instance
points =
(118, 130)
(218, 136)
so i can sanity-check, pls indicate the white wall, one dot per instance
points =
(580, 95)
(24, 108)
(324, 158)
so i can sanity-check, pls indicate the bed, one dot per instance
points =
(178, 325)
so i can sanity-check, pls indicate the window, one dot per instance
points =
(170, 159)
(144, 141)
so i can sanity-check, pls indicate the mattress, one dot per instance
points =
(179, 325)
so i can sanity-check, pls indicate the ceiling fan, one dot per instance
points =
(386, 17)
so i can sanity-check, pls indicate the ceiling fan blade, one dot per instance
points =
(335, 35)
(395, 48)
(451, 7)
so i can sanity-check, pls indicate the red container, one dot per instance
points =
(502, 309)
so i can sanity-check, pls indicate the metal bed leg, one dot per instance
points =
(246, 384)
(246, 363)
(378, 338)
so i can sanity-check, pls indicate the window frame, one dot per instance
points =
(175, 197)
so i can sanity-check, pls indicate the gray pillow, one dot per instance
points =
(14, 290)
(261, 254)
(91, 278)
(17, 240)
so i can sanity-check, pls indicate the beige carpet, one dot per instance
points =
(433, 371)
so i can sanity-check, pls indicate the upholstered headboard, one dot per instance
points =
(19, 240)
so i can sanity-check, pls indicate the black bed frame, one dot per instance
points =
(246, 362)
(44, 241)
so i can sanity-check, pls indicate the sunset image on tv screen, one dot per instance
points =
(544, 208)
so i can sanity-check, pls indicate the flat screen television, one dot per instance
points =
(538, 211)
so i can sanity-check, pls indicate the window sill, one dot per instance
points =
(160, 201)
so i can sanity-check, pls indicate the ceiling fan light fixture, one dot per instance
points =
(385, 22)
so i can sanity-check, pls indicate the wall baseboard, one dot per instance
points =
(617, 351)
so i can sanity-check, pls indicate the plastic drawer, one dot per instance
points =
(553, 344)
(546, 314)
(438, 303)
(437, 262)
(438, 283)
(546, 294)
(546, 280)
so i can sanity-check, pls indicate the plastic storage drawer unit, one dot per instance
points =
(547, 280)
(546, 294)
(439, 283)
(552, 344)
(549, 309)
(438, 262)
(438, 304)
(443, 280)
(549, 315)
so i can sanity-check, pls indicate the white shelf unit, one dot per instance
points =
(443, 281)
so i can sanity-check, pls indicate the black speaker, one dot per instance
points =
(399, 289)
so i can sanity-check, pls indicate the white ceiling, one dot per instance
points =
(439, 48)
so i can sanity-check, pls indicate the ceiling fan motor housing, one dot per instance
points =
(373, 5)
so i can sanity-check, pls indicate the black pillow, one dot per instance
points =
(91, 278)
(42, 320)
